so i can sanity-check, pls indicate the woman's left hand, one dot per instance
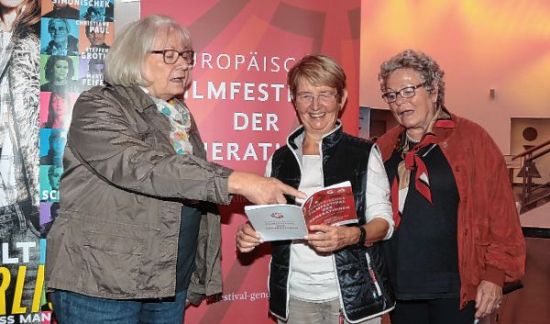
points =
(488, 298)
(331, 238)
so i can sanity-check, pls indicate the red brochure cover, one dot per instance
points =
(333, 205)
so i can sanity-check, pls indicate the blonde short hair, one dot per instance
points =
(318, 70)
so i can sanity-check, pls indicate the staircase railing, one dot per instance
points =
(533, 194)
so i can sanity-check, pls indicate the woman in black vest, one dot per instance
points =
(337, 272)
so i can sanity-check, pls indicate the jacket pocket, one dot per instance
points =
(114, 261)
(362, 280)
(480, 252)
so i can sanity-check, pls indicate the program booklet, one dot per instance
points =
(333, 205)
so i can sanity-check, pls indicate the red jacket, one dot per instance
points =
(490, 241)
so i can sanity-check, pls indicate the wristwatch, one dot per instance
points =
(362, 235)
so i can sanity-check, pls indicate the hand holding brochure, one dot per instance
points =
(333, 205)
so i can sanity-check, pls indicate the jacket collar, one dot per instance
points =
(390, 141)
(330, 139)
(137, 97)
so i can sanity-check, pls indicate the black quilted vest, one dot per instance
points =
(344, 158)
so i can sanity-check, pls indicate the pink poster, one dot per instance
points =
(241, 103)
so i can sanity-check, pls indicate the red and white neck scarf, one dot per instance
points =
(412, 161)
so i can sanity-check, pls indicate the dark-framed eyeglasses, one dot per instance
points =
(406, 92)
(171, 56)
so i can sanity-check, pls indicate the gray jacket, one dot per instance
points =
(116, 235)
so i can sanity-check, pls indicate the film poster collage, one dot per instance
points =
(75, 37)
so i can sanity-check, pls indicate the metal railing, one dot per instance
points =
(533, 194)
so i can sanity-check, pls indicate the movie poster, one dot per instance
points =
(96, 38)
(21, 274)
(76, 37)
(52, 51)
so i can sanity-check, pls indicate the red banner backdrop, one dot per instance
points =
(241, 103)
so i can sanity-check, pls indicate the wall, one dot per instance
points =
(481, 45)
(126, 11)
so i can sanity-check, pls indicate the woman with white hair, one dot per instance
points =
(137, 233)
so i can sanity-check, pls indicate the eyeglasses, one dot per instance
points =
(171, 56)
(306, 98)
(406, 92)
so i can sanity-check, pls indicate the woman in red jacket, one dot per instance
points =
(457, 237)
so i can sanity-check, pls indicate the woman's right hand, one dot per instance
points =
(260, 190)
(247, 238)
